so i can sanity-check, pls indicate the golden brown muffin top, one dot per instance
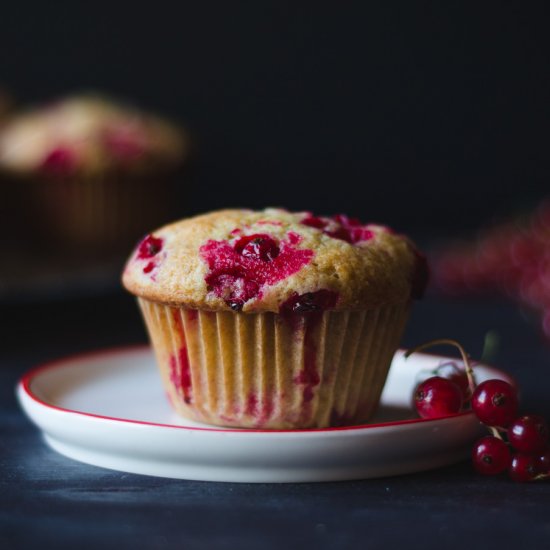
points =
(88, 135)
(277, 261)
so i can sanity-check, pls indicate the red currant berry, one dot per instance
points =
(340, 227)
(358, 234)
(495, 402)
(436, 397)
(315, 221)
(257, 247)
(543, 462)
(150, 246)
(60, 162)
(320, 300)
(528, 434)
(149, 267)
(491, 456)
(524, 467)
(340, 233)
(125, 143)
(346, 220)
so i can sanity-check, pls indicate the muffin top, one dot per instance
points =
(88, 134)
(277, 261)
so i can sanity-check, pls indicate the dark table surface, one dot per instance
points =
(47, 500)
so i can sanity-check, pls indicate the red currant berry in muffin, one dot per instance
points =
(258, 247)
(320, 300)
(60, 161)
(149, 247)
(340, 227)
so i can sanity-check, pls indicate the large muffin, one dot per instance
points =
(92, 175)
(274, 319)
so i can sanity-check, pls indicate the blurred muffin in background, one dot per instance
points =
(91, 176)
(6, 104)
(6, 191)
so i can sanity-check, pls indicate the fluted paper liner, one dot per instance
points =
(106, 211)
(272, 371)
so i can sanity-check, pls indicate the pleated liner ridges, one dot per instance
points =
(103, 211)
(273, 372)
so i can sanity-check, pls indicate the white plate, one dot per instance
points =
(109, 409)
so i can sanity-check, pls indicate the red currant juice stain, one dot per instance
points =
(305, 312)
(125, 143)
(261, 411)
(148, 251)
(149, 247)
(149, 267)
(238, 273)
(252, 403)
(60, 162)
(180, 369)
(340, 227)
(294, 238)
(269, 222)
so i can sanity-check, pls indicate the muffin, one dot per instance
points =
(272, 319)
(92, 176)
(6, 104)
(9, 197)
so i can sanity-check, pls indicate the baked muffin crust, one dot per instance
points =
(88, 135)
(266, 261)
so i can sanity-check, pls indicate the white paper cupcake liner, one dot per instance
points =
(270, 371)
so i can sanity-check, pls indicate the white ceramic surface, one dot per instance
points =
(108, 409)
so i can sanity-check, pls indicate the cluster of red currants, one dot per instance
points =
(519, 445)
(512, 258)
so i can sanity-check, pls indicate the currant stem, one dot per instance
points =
(465, 359)
(490, 346)
(494, 431)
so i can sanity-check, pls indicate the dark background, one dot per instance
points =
(432, 117)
